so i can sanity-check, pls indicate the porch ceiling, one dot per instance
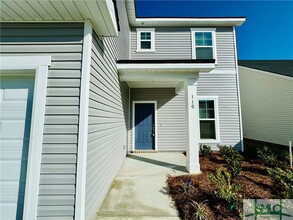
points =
(152, 84)
(101, 13)
(161, 73)
(166, 67)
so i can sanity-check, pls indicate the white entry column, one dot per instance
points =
(192, 126)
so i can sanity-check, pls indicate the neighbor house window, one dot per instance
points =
(203, 44)
(146, 39)
(208, 119)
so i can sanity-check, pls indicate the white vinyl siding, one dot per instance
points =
(267, 106)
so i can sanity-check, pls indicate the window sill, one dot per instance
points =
(145, 51)
(209, 141)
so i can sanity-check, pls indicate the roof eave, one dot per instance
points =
(179, 22)
(188, 22)
(100, 12)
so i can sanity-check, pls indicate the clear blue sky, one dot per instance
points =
(266, 34)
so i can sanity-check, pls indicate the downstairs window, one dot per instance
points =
(208, 119)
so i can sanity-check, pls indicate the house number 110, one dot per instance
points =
(192, 104)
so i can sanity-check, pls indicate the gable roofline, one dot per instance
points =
(137, 21)
(276, 67)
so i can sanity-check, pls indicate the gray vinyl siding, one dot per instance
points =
(170, 43)
(108, 116)
(63, 42)
(224, 85)
(170, 117)
(222, 82)
(175, 43)
(225, 49)
(171, 125)
(123, 44)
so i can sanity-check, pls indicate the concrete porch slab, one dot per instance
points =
(139, 190)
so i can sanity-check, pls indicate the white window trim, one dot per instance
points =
(39, 66)
(133, 123)
(138, 31)
(213, 30)
(216, 108)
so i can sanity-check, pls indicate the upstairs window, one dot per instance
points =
(203, 44)
(145, 40)
(208, 119)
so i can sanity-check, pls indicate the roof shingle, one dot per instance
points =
(281, 67)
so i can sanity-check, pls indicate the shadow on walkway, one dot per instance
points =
(159, 163)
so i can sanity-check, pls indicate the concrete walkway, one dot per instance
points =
(139, 190)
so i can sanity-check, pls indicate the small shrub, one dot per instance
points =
(226, 151)
(200, 210)
(283, 159)
(284, 178)
(227, 191)
(233, 160)
(267, 157)
(234, 167)
(205, 150)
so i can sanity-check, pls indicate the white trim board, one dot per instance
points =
(39, 66)
(133, 122)
(83, 122)
(198, 66)
(238, 91)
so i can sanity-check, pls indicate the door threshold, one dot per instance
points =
(143, 151)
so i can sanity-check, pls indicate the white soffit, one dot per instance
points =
(165, 67)
(100, 12)
(178, 22)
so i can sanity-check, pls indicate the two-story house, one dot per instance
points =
(83, 83)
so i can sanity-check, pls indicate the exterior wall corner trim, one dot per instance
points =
(83, 122)
(238, 90)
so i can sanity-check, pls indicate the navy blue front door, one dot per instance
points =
(144, 126)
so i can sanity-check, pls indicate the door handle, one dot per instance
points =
(153, 131)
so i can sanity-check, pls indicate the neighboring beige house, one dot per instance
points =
(266, 91)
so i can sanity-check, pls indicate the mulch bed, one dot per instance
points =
(254, 181)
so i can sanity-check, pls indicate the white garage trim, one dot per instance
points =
(39, 66)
